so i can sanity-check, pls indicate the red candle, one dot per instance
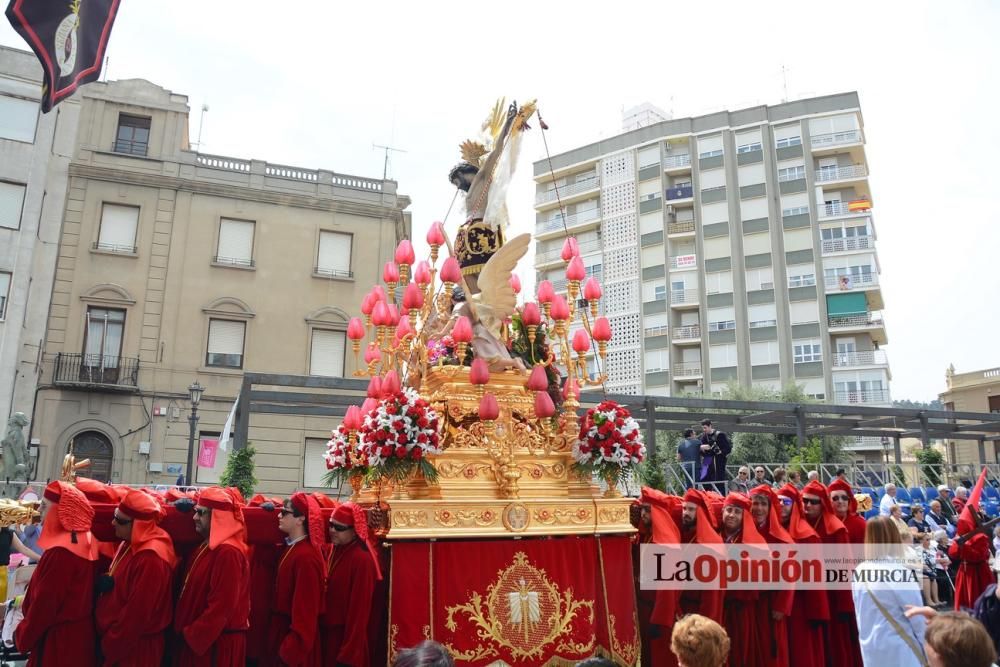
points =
(570, 249)
(380, 315)
(538, 380)
(375, 387)
(489, 409)
(372, 353)
(390, 384)
(479, 373)
(462, 331)
(393, 315)
(576, 270)
(451, 272)
(352, 420)
(560, 311)
(422, 274)
(413, 297)
(544, 407)
(435, 235)
(592, 289)
(531, 316)
(515, 283)
(545, 292)
(355, 329)
(390, 272)
(581, 342)
(368, 303)
(601, 330)
(404, 253)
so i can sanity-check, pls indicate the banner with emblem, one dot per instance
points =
(68, 36)
(532, 602)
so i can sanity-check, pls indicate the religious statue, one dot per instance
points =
(484, 175)
(15, 451)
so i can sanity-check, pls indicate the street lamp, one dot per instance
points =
(194, 394)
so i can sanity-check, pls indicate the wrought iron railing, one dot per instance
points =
(96, 369)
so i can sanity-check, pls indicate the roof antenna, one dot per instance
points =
(784, 82)
(201, 125)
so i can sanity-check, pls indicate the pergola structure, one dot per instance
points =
(263, 393)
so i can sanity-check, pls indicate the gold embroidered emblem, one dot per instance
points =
(523, 612)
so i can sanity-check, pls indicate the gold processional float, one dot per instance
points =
(470, 428)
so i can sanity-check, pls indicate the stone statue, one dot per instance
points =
(484, 175)
(15, 451)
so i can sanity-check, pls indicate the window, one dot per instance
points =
(760, 279)
(715, 153)
(721, 319)
(327, 357)
(801, 276)
(118, 225)
(762, 315)
(660, 292)
(235, 242)
(764, 353)
(786, 142)
(133, 135)
(657, 360)
(803, 312)
(334, 255)
(314, 466)
(806, 351)
(722, 356)
(102, 345)
(795, 210)
(719, 283)
(4, 292)
(18, 118)
(11, 201)
(749, 148)
(225, 343)
(791, 173)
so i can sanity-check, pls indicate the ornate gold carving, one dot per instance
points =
(617, 514)
(453, 469)
(563, 516)
(453, 518)
(523, 612)
(626, 653)
(516, 517)
(410, 518)
(537, 471)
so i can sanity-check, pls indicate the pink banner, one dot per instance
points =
(207, 452)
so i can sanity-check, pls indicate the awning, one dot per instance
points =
(846, 304)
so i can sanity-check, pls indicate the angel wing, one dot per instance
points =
(496, 299)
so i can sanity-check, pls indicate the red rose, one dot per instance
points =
(417, 452)
(386, 451)
(402, 439)
(422, 422)
(400, 452)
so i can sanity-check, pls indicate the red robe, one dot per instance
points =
(263, 564)
(347, 615)
(774, 633)
(855, 528)
(706, 603)
(749, 646)
(213, 609)
(974, 573)
(132, 616)
(58, 625)
(645, 601)
(844, 646)
(298, 601)
(807, 625)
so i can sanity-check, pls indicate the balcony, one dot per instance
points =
(863, 396)
(851, 282)
(855, 359)
(104, 246)
(681, 193)
(567, 192)
(555, 254)
(655, 331)
(560, 224)
(851, 244)
(840, 208)
(687, 334)
(827, 175)
(873, 324)
(832, 139)
(687, 369)
(672, 162)
(681, 262)
(96, 370)
(684, 298)
(678, 227)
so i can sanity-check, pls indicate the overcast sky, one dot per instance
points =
(315, 84)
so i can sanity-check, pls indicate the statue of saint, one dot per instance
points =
(15, 451)
(483, 175)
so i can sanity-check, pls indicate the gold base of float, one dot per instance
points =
(505, 478)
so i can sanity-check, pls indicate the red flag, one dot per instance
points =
(69, 38)
(967, 521)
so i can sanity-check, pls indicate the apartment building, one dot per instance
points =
(974, 391)
(176, 267)
(738, 245)
(35, 150)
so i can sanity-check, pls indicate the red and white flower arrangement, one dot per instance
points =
(610, 444)
(343, 460)
(398, 435)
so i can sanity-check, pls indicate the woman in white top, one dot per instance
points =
(883, 586)
(896, 514)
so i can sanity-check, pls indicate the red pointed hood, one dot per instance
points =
(774, 528)
(351, 514)
(307, 505)
(840, 485)
(705, 528)
(967, 520)
(829, 518)
(798, 528)
(146, 514)
(228, 524)
(665, 530)
(750, 533)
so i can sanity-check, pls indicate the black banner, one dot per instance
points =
(68, 36)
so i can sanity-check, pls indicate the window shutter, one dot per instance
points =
(225, 337)
(4, 290)
(118, 225)
(723, 314)
(11, 201)
(765, 312)
(801, 312)
(313, 465)
(327, 353)
(18, 118)
(235, 241)
(334, 254)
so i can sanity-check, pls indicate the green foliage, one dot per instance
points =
(919, 405)
(650, 471)
(933, 461)
(239, 471)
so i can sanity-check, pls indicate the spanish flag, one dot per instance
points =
(859, 205)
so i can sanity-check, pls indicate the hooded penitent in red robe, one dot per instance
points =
(853, 522)
(298, 594)
(264, 552)
(810, 615)
(706, 603)
(661, 605)
(135, 600)
(774, 631)
(748, 638)
(844, 647)
(974, 573)
(352, 573)
(58, 625)
(213, 609)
